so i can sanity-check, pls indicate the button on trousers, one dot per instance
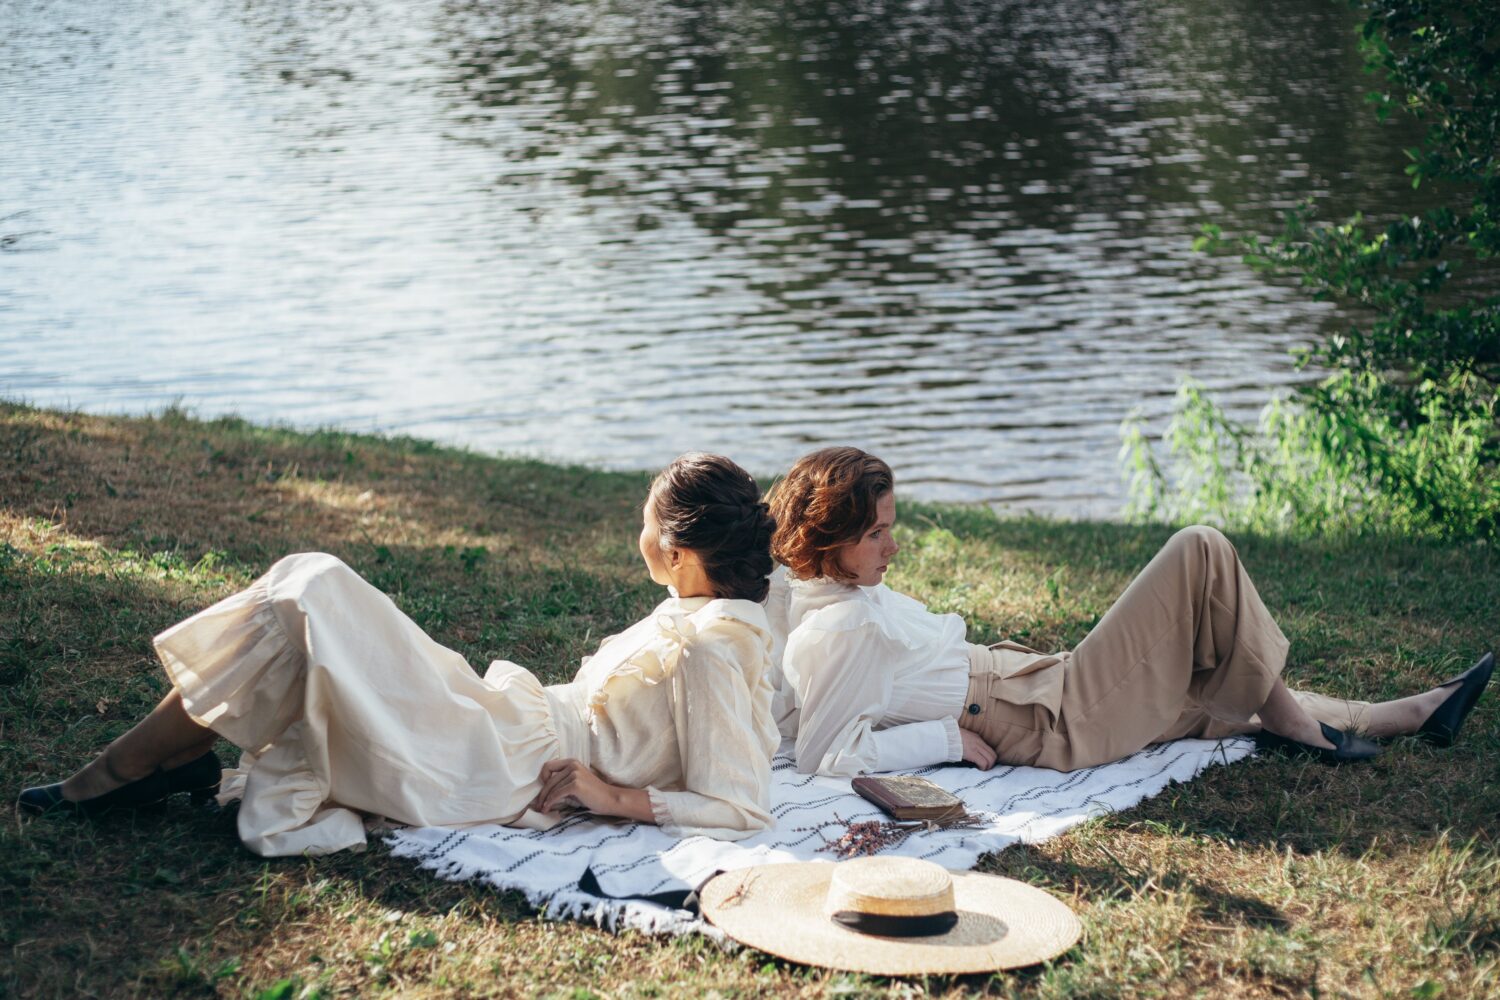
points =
(1188, 650)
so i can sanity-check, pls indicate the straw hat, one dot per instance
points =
(889, 916)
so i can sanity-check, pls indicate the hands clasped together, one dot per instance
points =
(571, 784)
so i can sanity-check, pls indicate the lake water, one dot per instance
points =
(958, 234)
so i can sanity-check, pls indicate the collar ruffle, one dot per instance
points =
(676, 623)
(816, 584)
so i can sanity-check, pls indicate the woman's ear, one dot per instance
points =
(674, 557)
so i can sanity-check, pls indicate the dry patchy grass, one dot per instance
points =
(1268, 878)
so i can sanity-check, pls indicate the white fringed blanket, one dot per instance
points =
(622, 865)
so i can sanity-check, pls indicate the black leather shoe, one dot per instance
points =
(198, 777)
(43, 798)
(1442, 726)
(136, 794)
(1347, 747)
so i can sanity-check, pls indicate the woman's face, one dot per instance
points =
(650, 544)
(868, 558)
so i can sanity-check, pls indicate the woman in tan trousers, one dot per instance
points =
(873, 681)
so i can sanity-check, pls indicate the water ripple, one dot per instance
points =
(603, 231)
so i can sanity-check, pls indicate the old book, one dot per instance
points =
(908, 797)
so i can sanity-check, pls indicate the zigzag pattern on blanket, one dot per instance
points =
(630, 861)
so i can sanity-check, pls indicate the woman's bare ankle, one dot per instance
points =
(105, 773)
(1310, 732)
(1283, 716)
(1405, 716)
(93, 779)
(189, 755)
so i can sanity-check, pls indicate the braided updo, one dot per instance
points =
(708, 504)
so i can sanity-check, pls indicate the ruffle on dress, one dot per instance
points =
(649, 665)
(676, 624)
(238, 673)
(284, 809)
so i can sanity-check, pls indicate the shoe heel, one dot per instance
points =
(198, 796)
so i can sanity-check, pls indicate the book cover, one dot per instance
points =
(909, 797)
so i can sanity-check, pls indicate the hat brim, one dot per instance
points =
(1002, 923)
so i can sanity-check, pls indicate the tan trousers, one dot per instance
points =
(1188, 650)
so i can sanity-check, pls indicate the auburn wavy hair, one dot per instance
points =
(825, 501)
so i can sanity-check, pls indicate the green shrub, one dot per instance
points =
(1403, 433)
(1323, 469)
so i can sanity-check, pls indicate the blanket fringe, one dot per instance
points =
(613, 915)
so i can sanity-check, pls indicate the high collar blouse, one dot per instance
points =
(870, 680)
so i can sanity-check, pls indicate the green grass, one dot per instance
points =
(1267, 878)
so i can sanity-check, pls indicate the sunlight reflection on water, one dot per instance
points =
(608, 232)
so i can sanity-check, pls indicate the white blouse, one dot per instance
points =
(870, 679)
(679, 704)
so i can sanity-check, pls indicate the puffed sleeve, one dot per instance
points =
(845, 678)
(726, 760)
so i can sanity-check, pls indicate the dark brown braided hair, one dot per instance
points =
(708, 504)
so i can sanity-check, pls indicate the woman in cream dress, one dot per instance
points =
(343, 707)
(873, 681)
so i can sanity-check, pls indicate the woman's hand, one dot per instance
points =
(569, 782)
(977, 751)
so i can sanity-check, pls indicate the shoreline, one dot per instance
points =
(1108, 507)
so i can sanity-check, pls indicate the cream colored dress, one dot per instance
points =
(343, 707)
